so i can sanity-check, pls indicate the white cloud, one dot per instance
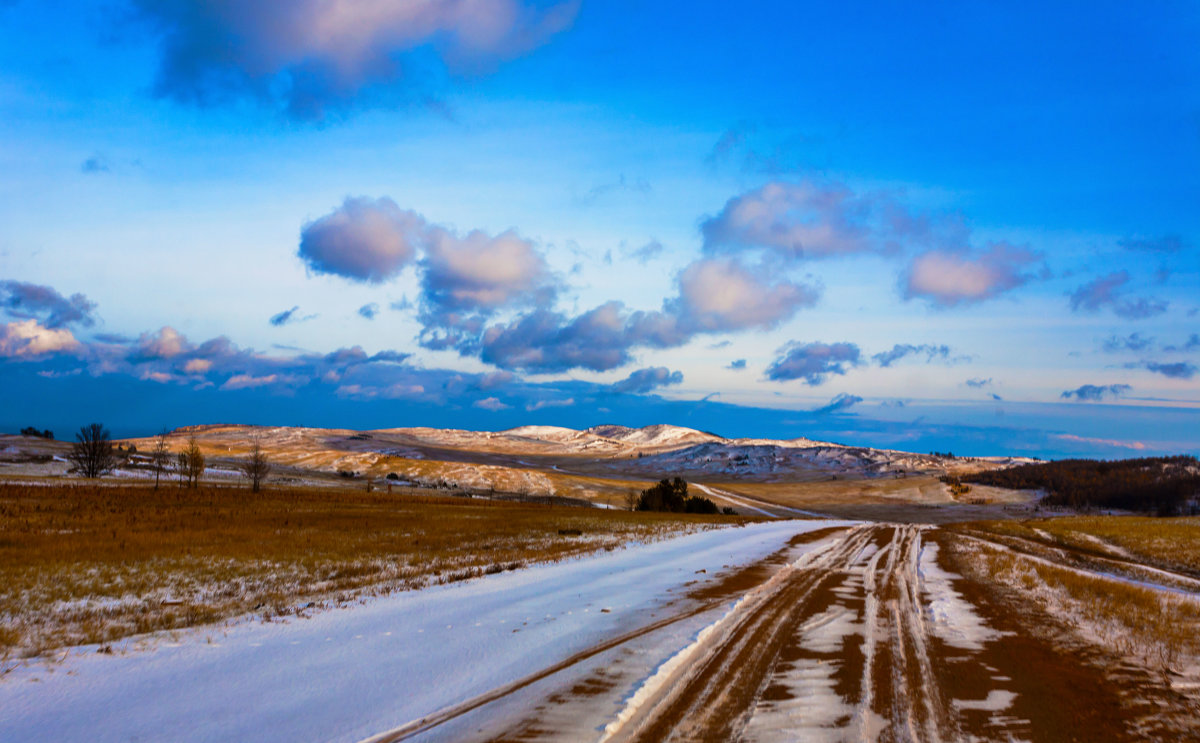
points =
(165, 343)
(948, 278)
(29, 338)
(248, 381)
(542, 404)
(368, 240)
(483, 273)
(721, 294)
(197, 366)
(490, 403)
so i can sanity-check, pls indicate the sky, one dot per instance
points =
(965, 227)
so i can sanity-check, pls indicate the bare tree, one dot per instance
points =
(195, 462)
(180, 463)
(190, 463)
(631, 499)
(256, 467)
(92, 453)
(160, 456)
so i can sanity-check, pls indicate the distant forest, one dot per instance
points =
(1164, 485)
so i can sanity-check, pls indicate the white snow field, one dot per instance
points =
(349, 674)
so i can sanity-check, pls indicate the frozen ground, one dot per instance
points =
(779, 631)
(347, 674)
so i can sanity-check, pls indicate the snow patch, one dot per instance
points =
(953, 619)
(346, 674)
(997, 700)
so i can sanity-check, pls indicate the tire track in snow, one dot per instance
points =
(748, 501)
(796, 639)
(870, 639)
(734, 500)
(428, 722)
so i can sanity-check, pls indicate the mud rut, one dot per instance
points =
(839, 645)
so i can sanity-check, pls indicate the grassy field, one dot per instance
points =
(1173, 543)
(868, 491)
(86, 564)
(1156, 626)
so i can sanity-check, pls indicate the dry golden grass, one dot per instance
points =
(913, 489)
(844, 490)
(1173, 543)
(1156, 626)
(91, 564)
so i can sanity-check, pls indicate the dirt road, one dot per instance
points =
(871, 635)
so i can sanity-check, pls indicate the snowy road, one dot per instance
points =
(779, 631)
(865, 635)
(347, 674)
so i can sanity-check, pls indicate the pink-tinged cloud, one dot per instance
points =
(198, 366)
(490, 403)
(164, 343)
(367, 240)
(797, 220)
(27, 339)
(543, 404)
(1137, 445)
(718, 295)
(715, 295)
(948, 278)
(249, 381)
(157, 376)
(308, 56)
(479, 272)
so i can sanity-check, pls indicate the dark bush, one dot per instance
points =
(667, 495)
(672, 495)
(393, 476)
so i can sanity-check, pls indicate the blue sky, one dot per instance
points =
(970, 227)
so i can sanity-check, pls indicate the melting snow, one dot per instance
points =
(345, 674)
(953, 619)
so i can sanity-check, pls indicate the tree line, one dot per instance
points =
(1163, 485)
(94, 455)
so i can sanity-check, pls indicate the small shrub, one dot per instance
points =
(957, 487)
(667, 495)
(699, 504)
(672, 496)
